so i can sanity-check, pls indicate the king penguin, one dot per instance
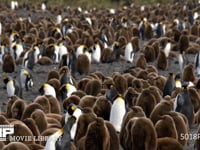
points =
(197, 63)
(96, 53)
(65, 142)
(61, 140)
(26, 79)
(76, 111)
(47, 89)
(183, 61)
(117, 112)
(169, 85)
(12, 86)
(129, 53)
(66, 90)
(183, 104)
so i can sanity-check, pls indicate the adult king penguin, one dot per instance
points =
(197, 63)
(26, 79)
(183, 104)
(169, 85)
(61, 140)
(12, 86)
(117, 112)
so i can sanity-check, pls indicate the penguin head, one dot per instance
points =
(5, 79)
(71, 108)
(47, 89)
(28, 82)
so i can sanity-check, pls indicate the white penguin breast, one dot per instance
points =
(77, 113)
(10, 88)
(117, 113)
(96, 54)
(128, 51)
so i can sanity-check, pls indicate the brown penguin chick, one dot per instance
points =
(15, 146)
(102, 107)
(162, 61)
(143, 74)
(141, 61)
(30, 123)
(2, 144)
(156, 92)
(53, 122)
(55, 116)
(149, 53)
(35, 146)
(195, 98)
(54, 104)
(97, 136)
(197, 117)
(188, 73)
(156, 47)
(129, 78)
(45, 61)
(135, 111)
(131, 96)
(114, 139)
(137, 84)
(18, 108)
(165, 127)
(3, 120)
(183, 42)
(93, 87)
(167, 143)
(87, 101)
(147, 101)
(159, 82)
(53, 74)
(83, 64)
(136, 43)
(197, 140)
(82, 125)
(56, 84)
(40, 119)
(11, 100)
(79, 93)
(181, 128)
(48, 132)
(21, 129)
(8, 65)
(44, 102)
(107, 55)
(120, 83)
(71, 99)
(141, 134)
(162, 108)
(29, 109)
(82, 83)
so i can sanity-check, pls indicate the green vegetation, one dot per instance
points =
(93, 3)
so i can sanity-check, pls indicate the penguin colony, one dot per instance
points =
(144, 106)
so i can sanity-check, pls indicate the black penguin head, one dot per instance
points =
(5, 79)
(71, 108)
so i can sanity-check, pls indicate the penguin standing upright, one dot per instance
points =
(197, 63)
(65, 142)
(183, 104)
(47, 89)
(129, 53)
(183, 61)
(96, 53)
(12, 86)
(169, 85)
(26, 79)
(76, 111)
(117, 112)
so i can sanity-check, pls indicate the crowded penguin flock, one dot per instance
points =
(100, 79)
